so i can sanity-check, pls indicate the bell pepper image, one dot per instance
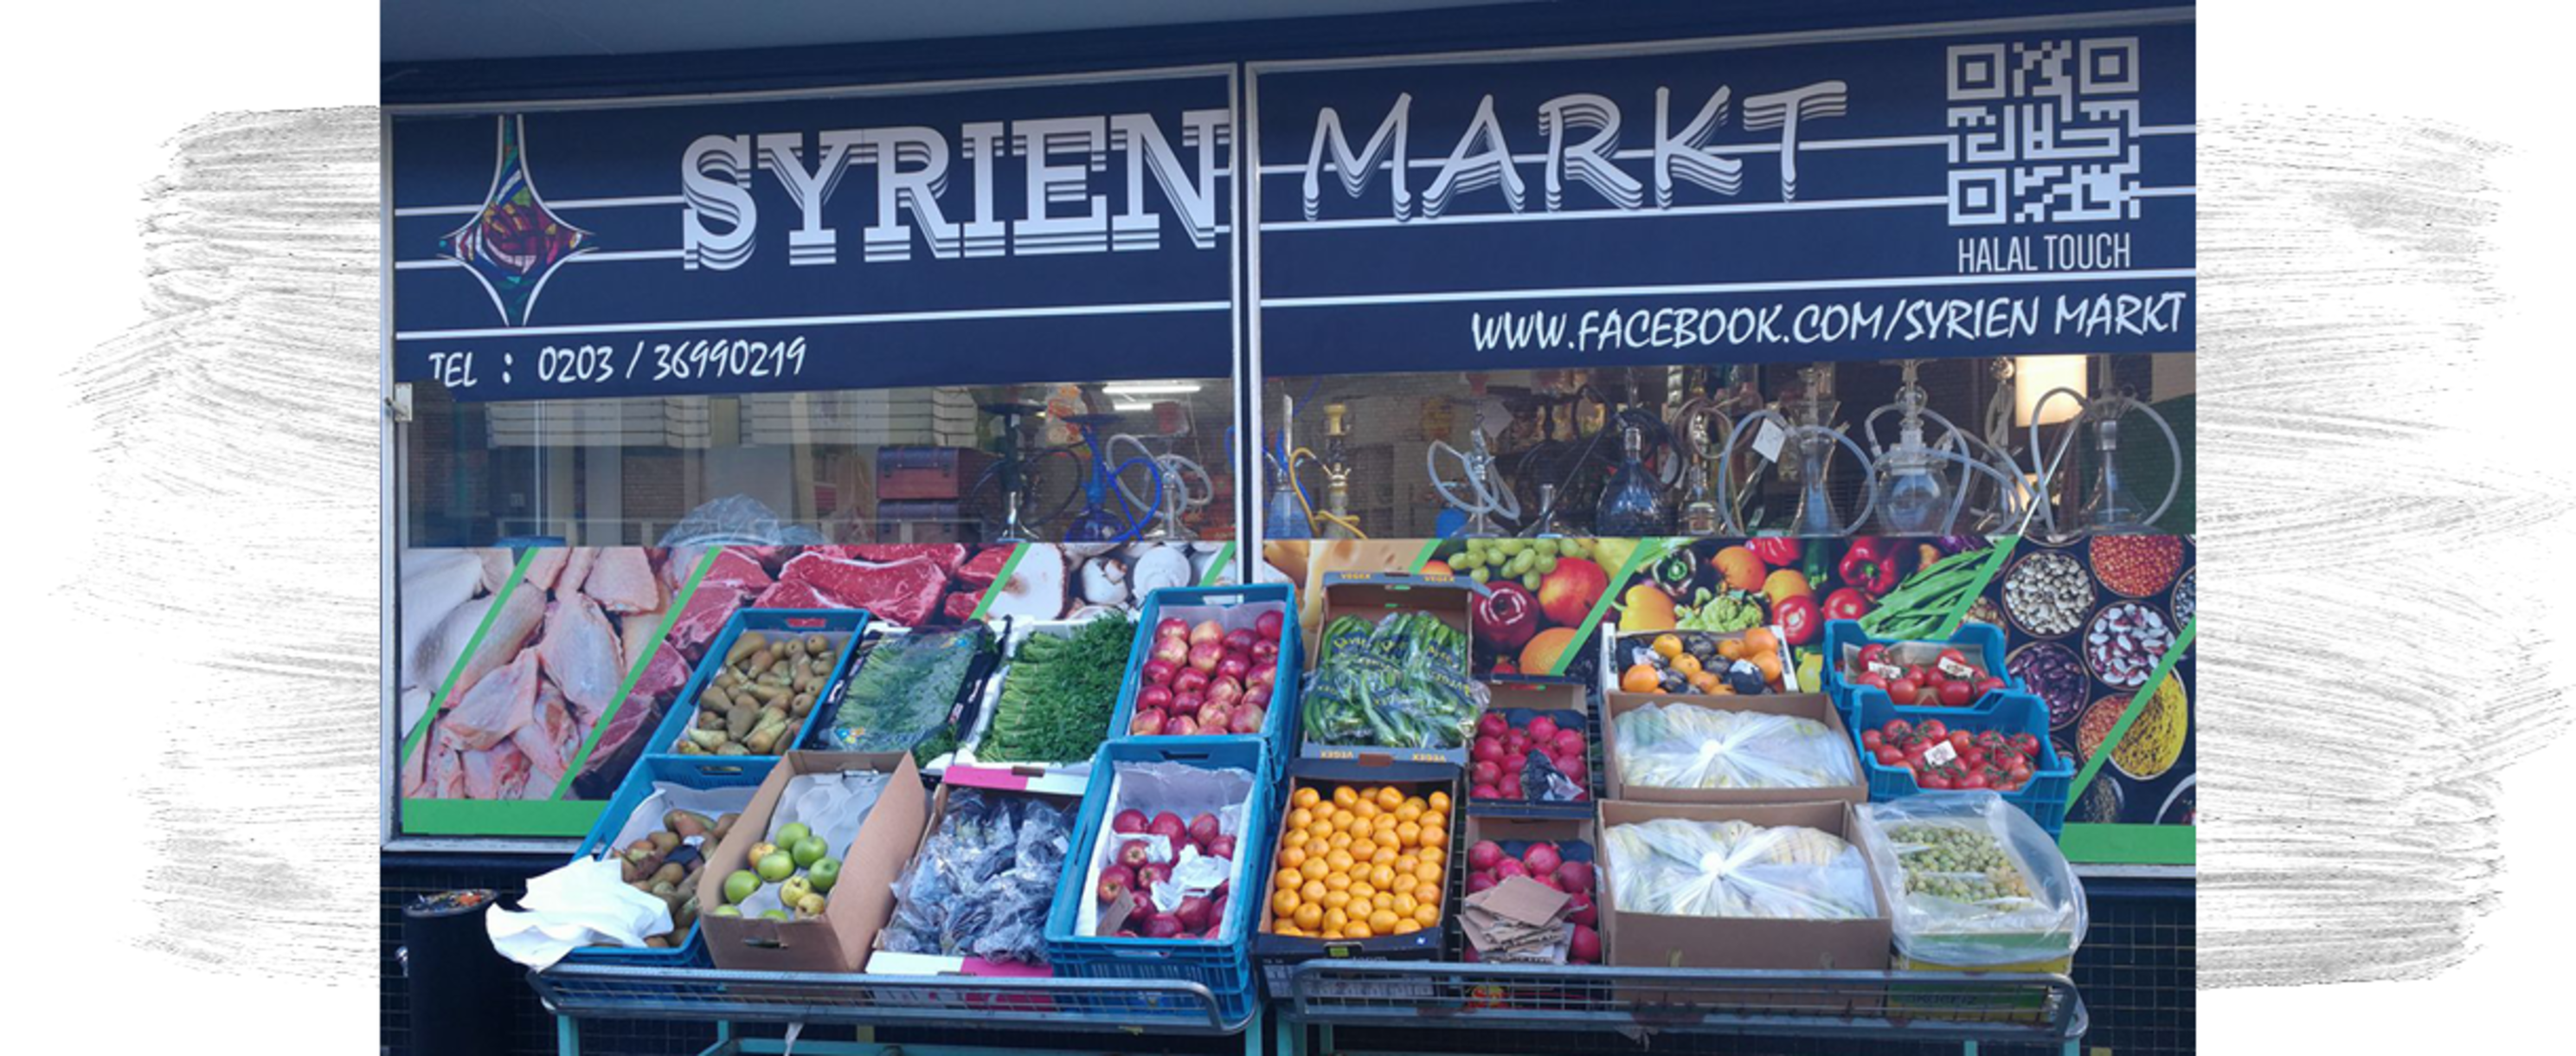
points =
(1799, 618)
(1868, 565)
(1777, 551)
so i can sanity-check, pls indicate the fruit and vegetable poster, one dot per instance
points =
(2100, 629)
(530, 681)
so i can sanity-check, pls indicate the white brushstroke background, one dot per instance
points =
(2383, 521)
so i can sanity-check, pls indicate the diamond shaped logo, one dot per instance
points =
(514, 243)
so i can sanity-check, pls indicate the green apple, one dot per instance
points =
(823, 873)
(725, 911)
(794, 890)
(777, 866)
(809, 850)
(775, 914)
(740, 885)
(791, 834)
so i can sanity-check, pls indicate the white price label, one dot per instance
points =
(1767, 440)
(1883, 670)
(1957, 668)
(1940, 753)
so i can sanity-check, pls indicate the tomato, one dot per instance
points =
(1801, 620)
(1914, 751)
(1989, 684)
(1871, 739)
(1954, 694)
(2026, 743)
(1870, 653)
(1903, 690)
(2017, 773)
(1933, 782)
(1954, 656)
(1935, 729)
(1890, 755)
(1872, 679)
(1973, 780)
(1896, 729)
(1974, 757)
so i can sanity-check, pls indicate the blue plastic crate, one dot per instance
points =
(684, 708)
(1981, 640)
(2043, 797)
(688, 771)
(1224, 967)
(1280, 726)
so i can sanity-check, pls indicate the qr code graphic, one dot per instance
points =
(2044, 132)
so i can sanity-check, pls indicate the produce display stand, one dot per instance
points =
(1106, 1009)
(1326, 997)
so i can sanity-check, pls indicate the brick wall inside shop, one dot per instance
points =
(2135, 972)
(654, 485)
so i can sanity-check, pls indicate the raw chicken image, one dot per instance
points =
(581, 653)
(497, 706)
(621, 580)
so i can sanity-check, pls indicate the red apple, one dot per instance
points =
(1234, 667)
(1567, 594)
(1189, 680)
(1192, 912)
(1115, 882)
(1187, 703)
(1173, 652)
(1136, 855)
(1213, 717)
(1152, 873)
(1129, 821)
(1180, 726)
(1172, 627)
(1162, 926)
(1248, 718)
(1207, 632)
(1205, 656)
(1239, 641)
(1265, 653)
(1148, 722)
(1220, 847)
(1223, 690)
(1158, 673)
(1156, 697)
(1267, 625)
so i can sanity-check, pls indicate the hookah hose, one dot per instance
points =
(1312, 516)
(1170, 465)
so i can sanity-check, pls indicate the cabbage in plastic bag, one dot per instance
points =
(1971, 881)
(1678, 867)
(1683, 746)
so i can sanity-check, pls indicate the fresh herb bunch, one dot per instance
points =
(1058, 694)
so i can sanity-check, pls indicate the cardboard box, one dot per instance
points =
(1277, 956)
(1576, 839)
(928, 472)
(1815, 706)
(1372, 595)
(1650, 940)
(1518, 701)
(837, 941)
(1036, 780)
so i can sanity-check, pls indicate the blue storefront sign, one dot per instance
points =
(1030, 231)
(1953, 191)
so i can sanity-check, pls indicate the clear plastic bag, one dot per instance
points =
(1677, 867)
(982, 884)
(1684, 746)
(1971, 881)
(738, 520)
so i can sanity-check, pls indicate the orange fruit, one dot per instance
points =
(1430, 856)
(1288, 880)
(1686, 664)
(1357, 929)
(1335, 920)
(1383, 856)
(1406, 926)
(1428, 873)
(1540, 656)
(1409, 833)
(1315, 868)
(1285, 903)
(1770, 665)
(1703, 682)
(1761, 640)
(1343, 796)
(1668, 646)
(1314, 891)
(1309, 915)
(1382, 921)
(1404, 904)
(1732, 649)
(1640, 678)
(1438, 837)
(1389, 798)
(1426, 914)
(1439, 801)
(1306, 797)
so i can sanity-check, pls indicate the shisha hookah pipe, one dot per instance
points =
(1100, 521)
(1334, 520)
(1492, 495)
(1703, 489)
(1908, 490)
(2110, 510)
(1174, 496)
(1813, 441)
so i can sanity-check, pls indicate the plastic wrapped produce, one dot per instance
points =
(906, 690)
(1678, 867)
(1686, 746)
(1971, 881)
(983, 882)
(1398, 682)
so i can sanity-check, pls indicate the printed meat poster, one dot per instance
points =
(530, 681)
